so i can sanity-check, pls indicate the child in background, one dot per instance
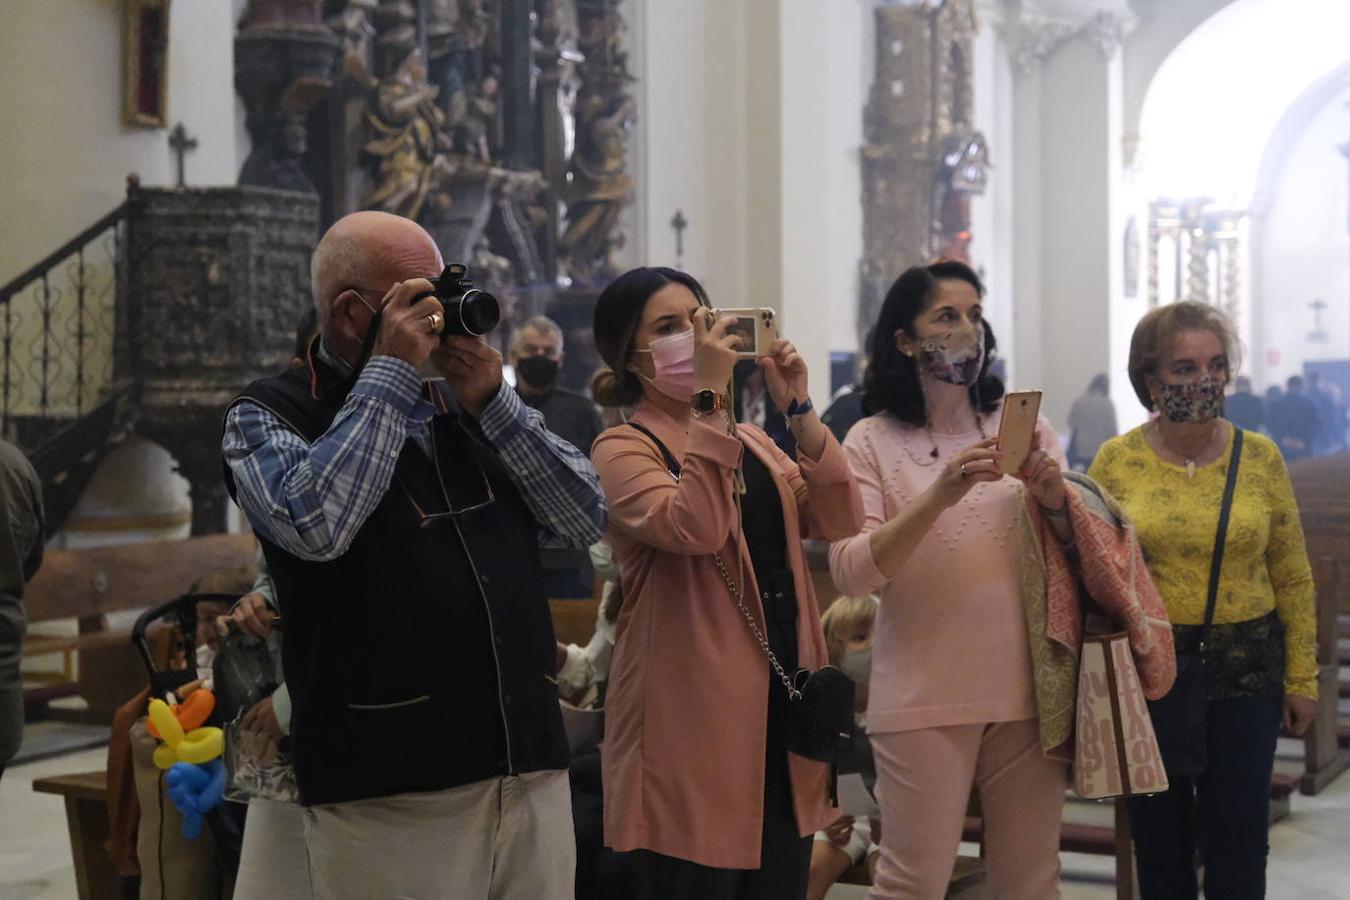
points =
(847, 624)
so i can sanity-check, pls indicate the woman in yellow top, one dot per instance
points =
(1169, 475)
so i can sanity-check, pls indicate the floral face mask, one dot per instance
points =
(954, 357)
(1194, 402)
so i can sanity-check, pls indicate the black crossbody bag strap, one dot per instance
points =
(672, 464)
(1221, 539)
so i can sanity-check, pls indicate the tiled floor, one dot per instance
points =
(1309, 856)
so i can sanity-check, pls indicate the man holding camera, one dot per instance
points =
(399, 520)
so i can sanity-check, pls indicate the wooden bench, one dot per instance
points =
(967, 875)
(574, 620)
(86, 585)
(1324, 756)
(86, 796)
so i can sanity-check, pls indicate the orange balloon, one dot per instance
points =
(191, 714)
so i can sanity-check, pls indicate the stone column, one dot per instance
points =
(1071, 317)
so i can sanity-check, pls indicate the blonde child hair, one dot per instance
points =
(846, 615)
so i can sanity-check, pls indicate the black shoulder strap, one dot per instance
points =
(672, 464)
(1222, 538)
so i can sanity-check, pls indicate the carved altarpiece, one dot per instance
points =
(1198, 252)
(922, 158)
(499, 125)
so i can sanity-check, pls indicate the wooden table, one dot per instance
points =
(86, 796)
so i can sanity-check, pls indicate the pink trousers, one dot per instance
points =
(924, 780)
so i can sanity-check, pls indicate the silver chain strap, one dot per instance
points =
(793, 693)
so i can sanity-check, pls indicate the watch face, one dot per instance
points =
(705, 401)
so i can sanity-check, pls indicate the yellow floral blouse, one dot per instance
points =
(1265, 564)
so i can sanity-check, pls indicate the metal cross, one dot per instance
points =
(679, 223)
(181, 143)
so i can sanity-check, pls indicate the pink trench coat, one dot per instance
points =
(687, 705)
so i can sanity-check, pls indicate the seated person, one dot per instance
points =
(584, 671)
(848, 638)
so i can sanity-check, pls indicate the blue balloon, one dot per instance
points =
(194, 790)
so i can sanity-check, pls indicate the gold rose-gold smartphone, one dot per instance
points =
(1017, 430)
(757, 330)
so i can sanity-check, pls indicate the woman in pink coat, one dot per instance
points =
(697, 779)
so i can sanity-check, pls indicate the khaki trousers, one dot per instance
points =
(503, 839)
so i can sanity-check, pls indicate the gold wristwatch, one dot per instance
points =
(707, 401)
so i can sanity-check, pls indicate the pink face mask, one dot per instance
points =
(673, 365)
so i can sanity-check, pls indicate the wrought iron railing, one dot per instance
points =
(57, 322)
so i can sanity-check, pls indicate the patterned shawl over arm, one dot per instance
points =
(1109, 566)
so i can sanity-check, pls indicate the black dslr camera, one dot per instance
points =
(469, 312)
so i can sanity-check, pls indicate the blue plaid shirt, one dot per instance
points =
(312, 499)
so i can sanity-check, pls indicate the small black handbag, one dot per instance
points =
(818, 718)
(1179, 717)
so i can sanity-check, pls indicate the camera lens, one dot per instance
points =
(478, 313)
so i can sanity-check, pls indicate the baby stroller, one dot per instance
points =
(172, 866)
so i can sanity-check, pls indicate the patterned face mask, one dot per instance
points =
(1194, 402)
(954, 357)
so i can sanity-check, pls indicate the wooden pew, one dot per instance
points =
(86, 796)
(1322, 489)
(574, 620)
(1324, 756)
(86, 585)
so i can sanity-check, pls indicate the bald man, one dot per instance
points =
(401, 520)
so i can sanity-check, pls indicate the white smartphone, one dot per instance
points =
(1017, 430)
(757, 329)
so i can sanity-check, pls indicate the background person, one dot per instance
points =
(1092, 422)
(21, 541)
(536, 354)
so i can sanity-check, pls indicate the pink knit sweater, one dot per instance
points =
(950, 643)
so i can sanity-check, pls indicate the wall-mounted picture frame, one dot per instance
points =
(146, 63)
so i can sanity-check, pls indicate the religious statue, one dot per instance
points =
(475, 119)
(600, 187)
(410, 145)
(284, 58)
(964, 173)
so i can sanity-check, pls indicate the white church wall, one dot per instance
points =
(1303, 250)
(1067, 219)
(848, 69)
(751, 125)
(65, 150)
(992, 218)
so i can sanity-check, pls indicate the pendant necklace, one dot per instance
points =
(932, 439)
(1190, 462)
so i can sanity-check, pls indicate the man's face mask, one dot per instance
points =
(539, 372)
(1193, 402)
(955, 357)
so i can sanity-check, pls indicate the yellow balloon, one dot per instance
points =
(166, 723)
(165, 757)
(201, 745)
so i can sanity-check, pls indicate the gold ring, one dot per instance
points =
(437, 322)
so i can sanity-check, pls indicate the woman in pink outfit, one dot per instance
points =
(697, 777)
(952, 700)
